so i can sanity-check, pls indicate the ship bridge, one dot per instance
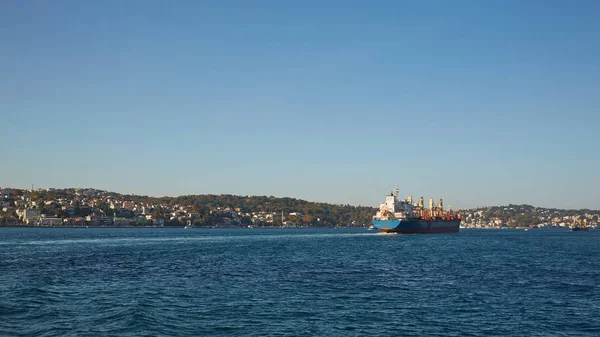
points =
(394, 207)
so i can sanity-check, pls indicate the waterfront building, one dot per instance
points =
(31, 215)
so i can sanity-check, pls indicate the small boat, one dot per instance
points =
(579, 226)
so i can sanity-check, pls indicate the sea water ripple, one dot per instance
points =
(289, 282)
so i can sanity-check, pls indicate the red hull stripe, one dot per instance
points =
(423, 230)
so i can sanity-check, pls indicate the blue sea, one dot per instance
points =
(297, 282)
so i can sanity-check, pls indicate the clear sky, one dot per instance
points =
(478, 102)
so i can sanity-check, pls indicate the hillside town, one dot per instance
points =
(80, 207)
(526, 216)
(87, 207)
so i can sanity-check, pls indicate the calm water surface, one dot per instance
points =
(292, 282)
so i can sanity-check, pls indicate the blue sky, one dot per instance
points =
(478, 102)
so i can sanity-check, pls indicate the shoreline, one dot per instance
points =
(181, 227)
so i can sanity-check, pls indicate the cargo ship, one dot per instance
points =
(402, 216)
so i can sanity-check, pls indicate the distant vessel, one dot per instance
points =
(578, 226)
(401, 216)
(189, 225)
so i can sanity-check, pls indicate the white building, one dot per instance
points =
(50, 221)
(121, 221)
(31, 215)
